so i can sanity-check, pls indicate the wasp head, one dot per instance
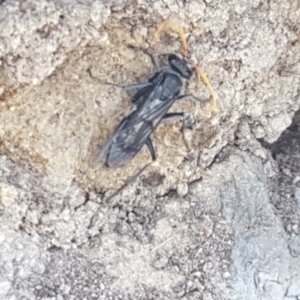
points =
(180, 66)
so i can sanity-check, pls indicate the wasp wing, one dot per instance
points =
(136, 129)
(102, 152)
(152, 104)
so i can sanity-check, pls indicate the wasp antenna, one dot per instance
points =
(202, 75)
(175, 26)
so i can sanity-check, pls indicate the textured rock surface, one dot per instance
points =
(219, 222)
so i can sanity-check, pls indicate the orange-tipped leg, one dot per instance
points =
(175, 26)
(203, 76)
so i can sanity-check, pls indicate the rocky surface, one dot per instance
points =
(217, 221)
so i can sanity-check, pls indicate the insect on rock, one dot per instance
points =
(153, 100)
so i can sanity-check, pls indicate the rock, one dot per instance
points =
(217, 221)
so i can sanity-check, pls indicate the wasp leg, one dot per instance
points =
(151, 148)
(129, 87)
(182, 115)
(107, 200)
(153, 60)
(133, 86)
(174, 115)
(188, 96)
(198, 99)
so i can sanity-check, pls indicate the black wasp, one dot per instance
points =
(153, 100)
